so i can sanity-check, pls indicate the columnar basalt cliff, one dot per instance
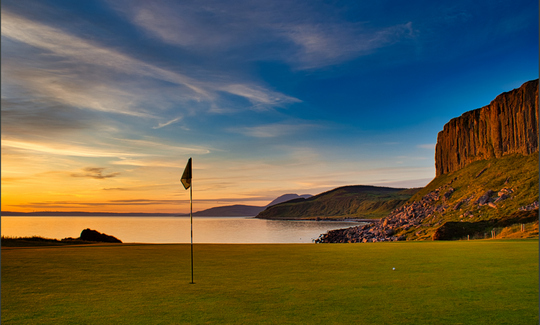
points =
(487, 179)
(508, 125)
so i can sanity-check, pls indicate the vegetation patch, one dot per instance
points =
(488, 228)
(484, 195)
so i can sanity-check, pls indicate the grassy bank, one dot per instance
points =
(476, 282)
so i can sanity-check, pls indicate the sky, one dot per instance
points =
(103, 102)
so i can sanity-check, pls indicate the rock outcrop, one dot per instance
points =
(508, 125)
(95, 236)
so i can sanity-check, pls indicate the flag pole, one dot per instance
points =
(191, 222)
(187, 182)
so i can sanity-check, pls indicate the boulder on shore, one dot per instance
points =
(93, 235)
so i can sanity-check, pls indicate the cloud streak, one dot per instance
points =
(308, 39)
(66, 149)
(95, 173)
(430, 146)
(67, 86)
(80, 50)
(161, 125)
(328, 44)
(274, 130)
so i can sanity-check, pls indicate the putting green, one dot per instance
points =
(475, 282)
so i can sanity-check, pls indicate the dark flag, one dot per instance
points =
(186, 177)
(186, 181)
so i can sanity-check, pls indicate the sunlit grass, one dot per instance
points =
(476, 282)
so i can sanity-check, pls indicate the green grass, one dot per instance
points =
(460, 282)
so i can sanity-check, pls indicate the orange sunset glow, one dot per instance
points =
(104, 103)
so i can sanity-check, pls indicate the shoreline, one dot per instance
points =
(325, 219)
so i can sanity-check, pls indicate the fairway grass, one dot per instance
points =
(459, 282)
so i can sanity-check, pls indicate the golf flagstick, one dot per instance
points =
(187, 182)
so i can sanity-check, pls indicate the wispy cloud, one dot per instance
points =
(274, 130)
(73, 56)
(259, 96)
(160, 125)
(95, 173)
(45, 205)
(430, 146)
(34, 117)
(306, 38)
(320, 45)
(81, 204)
(83, 51)
(13, 179)
(153, 145)
(66, 149)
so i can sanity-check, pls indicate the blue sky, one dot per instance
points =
(103, 102)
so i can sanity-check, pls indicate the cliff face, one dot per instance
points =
(508, 125)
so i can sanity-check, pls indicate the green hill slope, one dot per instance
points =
(365, 202)
(484, 196)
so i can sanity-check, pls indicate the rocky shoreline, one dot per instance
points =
(426, 213)
(405, 217)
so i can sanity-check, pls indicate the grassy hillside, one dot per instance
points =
(486, 199)
(507, 185)
(364, 202)
(459, 282)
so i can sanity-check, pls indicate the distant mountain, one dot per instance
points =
(288, 197)
(230, 211)
(359, 201)
(245, 210)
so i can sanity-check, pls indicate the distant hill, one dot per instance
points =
(230, 211)
(288, 197)
(245, 210)
(360, 201)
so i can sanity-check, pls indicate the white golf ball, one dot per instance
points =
(393, 269)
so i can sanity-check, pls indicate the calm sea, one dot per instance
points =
(174, 229)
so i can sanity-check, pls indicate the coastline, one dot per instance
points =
(325, 219)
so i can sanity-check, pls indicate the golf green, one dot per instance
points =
(459, 282)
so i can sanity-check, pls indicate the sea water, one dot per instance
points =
(174, 229)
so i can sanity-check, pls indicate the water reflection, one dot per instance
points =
(174, 229)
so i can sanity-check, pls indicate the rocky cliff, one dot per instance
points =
(486, 185)
(508, 125)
